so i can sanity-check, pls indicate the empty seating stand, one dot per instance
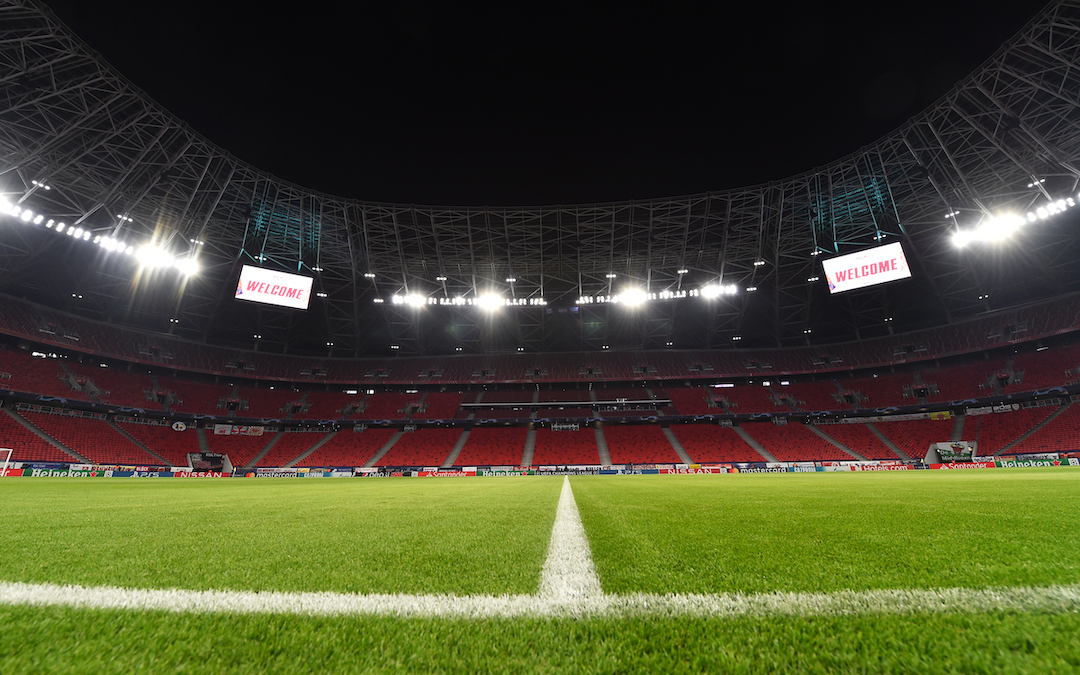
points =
(710, 443)
(499, 446)
(423, 447)
(93, 439)
(349, 448)
(566, 447)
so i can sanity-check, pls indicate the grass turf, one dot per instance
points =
(758, 533)
(648, 533)
(71, 640)
(362, 536)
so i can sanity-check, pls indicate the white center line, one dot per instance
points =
(568, 574)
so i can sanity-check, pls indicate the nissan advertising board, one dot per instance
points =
(866, 268)
(273, 288)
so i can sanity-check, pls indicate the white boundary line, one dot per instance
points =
(1050, 599)
(569, 586)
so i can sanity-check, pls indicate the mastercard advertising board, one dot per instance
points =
(271, 287)
(866, 268)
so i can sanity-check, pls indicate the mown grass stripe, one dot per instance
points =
(1047, 599)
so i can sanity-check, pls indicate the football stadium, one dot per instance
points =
(822, 423)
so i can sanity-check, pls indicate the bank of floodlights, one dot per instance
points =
(1000, 227)
(148, 256)
(488, 301)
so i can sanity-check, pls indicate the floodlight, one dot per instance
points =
(711, 291)
(27, 214)
(633, 297)
(38, 219)
(489, 301)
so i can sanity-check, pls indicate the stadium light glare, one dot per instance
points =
(489, 302)
(412, 300)
(710, 291)
(26, 215)
(633, 297)
(154, 257)
(187, 266)
(996, 228)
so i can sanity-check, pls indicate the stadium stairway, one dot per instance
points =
(677, 445)
(89, 388)
(45, 437)
(384, 449)
(888, 443)
(1035, 428)
(448, 463)
(165, 399)
(530, 448)
(601, 445)
(755, 445)
(303, 455)
(958, 429)
(200, 435)
(116, 427)
(829, 439)
(262, 453)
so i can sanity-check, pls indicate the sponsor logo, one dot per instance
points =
(1024, 463)
(200, 474)
(62, 473)
(964, 465)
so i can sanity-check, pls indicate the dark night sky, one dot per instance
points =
(530, 103)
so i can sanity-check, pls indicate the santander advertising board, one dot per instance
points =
(273, 288)
(865, 268)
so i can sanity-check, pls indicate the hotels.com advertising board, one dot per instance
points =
(866, 268)
(273, 288)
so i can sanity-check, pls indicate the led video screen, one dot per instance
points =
(866, 268)
(273, 288)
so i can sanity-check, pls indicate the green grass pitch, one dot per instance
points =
(656, 534)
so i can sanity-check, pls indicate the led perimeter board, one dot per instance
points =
(273, 288)
(866, 268)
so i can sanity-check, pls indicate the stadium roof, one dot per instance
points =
(80, 144)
